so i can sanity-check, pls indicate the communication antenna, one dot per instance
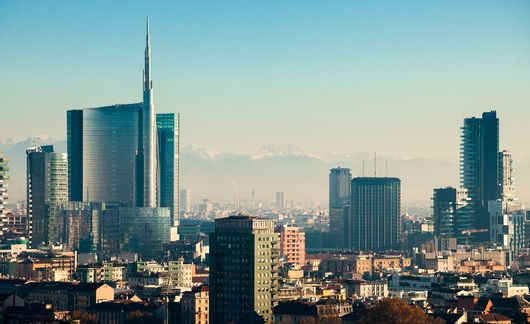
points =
(386, 168)
(375, 164)
(363, 168)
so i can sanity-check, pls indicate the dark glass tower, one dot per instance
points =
(479, 167)
(375, 213)
(444, 211)
(339, 198)
(168, 162)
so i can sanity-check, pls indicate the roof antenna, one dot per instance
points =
(386, 167)
(375, 164)
(363, 168)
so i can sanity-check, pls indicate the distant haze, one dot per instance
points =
(301, 175)
(396, 77)
(344, 76)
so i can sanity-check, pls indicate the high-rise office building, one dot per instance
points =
(243, 270)
(375, 213)
(102, 153)
(185, 201)
(280, 200)
(168, 160)
(479, 166)
(114, 153)
(339, 198)
(46, 188)
(3, 190)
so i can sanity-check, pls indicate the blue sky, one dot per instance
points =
(344, 76)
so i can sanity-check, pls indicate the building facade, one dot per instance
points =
(479, 165)
(102, 153)
(292, 244)
(195, 306)
(507, 226)
(449, 209)
(185, 201)
(339, 199)
(375, 213)
(144, 230)
(3, 189)
(46, 188)
(243, 270)
(280, 200)
(168, 153)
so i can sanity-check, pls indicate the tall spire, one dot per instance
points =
(150, 165)
(147, 69)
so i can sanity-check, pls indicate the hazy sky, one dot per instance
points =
(345, 76)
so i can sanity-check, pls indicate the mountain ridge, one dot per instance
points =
(302, 175)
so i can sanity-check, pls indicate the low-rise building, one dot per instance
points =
(195, 306)
(370, 289)
(67, 296)
(180, 274)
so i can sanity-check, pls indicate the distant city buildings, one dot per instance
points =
(375, 213)
(47, 187)
(185, 201)
(3, 189)
(339, 199)
(507, 225)
(280, 200)
(506, 180)
(243, 270)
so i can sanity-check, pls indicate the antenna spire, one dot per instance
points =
(363, 168)
(375, 164)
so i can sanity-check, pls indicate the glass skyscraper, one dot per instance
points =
(103, 146)
(114, 155)
(168, 161)
(339, 198)
(479, 169)
(46, 188)
(144, 230)
(375, 213)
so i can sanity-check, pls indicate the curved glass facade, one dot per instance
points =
(110, 142)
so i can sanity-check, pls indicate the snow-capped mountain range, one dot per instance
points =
(302, 175)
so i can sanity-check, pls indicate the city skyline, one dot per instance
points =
(350, 67)
(370, 162)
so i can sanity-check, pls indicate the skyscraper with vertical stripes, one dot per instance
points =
(114, 154)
